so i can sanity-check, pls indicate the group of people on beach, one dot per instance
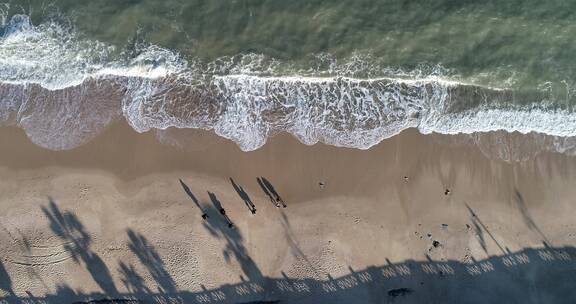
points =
(262, 181)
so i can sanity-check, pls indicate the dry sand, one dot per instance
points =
(111, 220)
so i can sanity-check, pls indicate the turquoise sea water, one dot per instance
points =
(344, 72)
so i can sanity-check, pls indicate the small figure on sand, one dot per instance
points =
(405, 178)
(271, 192)
(220, 209)
(244, 196)
(280, 201)
(194, 199)
(321, 184)
(447, 191)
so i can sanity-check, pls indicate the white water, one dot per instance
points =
(63, 90)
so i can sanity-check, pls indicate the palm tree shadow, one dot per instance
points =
(293, 243)
(5, 281)
(521, 204)
(234, 242)
(479, 227)
(133, 282)
(150, 258)
(77, 242)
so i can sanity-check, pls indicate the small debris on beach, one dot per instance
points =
(429, 235)
(444, 226)
(468, 227)
(399, 292)
(435, 244)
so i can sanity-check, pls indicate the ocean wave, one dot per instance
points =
(63, 90)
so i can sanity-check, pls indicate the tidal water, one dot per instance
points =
(348, 73)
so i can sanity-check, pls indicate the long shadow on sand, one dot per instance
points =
(5, 281)
(234, 242)
(530, 275)
(193, 197)
(244, 196)
(270, 191)
(77, 242)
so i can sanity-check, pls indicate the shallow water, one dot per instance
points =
(346, 73)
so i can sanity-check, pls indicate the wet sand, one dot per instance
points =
(110, 219)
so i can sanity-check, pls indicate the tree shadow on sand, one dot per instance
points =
(5, 281)
(528, 220)
(542, 274)
(77, 242)
(529, 275)
(150, 258)
(480, 228)
(234, 242)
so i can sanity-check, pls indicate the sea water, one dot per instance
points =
(342, 72)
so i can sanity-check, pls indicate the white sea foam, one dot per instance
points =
(63, 90)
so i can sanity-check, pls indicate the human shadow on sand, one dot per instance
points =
(480, 228)
(194, 199)
(244, 196)
(234, 242)
(218, 206)
(542, 274)
(539, 275)
(269, 190)
(528, 220)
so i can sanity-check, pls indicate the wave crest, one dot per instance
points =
(63, 90)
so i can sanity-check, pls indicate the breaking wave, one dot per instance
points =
(63, 90)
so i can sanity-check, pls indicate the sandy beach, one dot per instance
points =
(110, 220)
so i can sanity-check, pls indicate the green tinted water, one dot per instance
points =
(523, 44)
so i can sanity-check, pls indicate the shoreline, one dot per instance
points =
(111, 218)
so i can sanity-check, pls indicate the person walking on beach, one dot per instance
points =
(280, 201)
(269, 189)
(220, 209)
(244, 196)
(191, 195)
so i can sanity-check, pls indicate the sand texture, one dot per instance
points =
(111, 220)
